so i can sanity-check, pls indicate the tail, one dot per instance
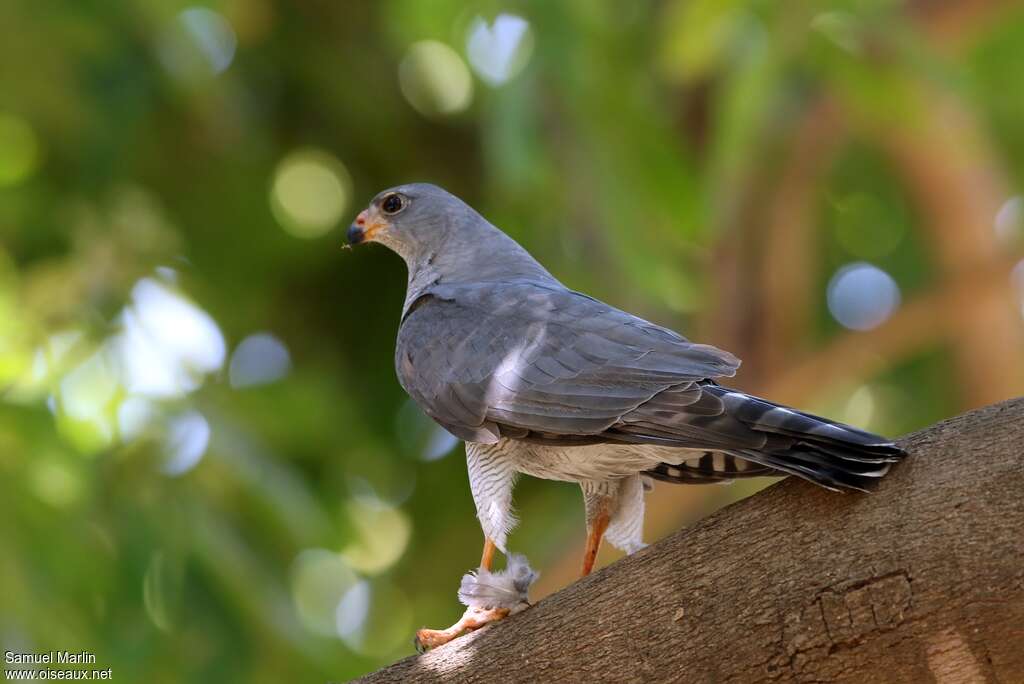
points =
(823, 451)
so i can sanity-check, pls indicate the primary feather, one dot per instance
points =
(531, 360)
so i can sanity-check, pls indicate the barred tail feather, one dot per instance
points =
(820, 450)
(805, 461)
(710, 468)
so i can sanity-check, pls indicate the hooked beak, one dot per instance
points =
(364, 227)
(355, 234)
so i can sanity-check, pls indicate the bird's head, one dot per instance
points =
(440, 237)
(413, 220)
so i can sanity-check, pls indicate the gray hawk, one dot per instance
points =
(542, 380)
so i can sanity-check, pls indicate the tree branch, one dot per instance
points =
(922, 580)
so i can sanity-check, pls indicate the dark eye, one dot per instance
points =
(392, 204)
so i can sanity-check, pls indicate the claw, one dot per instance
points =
(491, 596)
(471, 620)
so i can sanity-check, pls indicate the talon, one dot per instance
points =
(490, 596)
(471, 620)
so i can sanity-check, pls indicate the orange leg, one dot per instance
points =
(594, 536)
(488, 556)
(473, 618)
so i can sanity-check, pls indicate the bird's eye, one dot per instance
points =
(392, 204)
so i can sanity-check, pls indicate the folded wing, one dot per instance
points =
(534, 361)
(527, 359)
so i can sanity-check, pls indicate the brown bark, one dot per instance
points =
(922, 580)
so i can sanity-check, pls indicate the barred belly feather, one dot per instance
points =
(610, 470)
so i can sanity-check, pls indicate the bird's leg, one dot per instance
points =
(491, 479)
(601, 501)
(473, 618)
(488, 556)
(595, 532)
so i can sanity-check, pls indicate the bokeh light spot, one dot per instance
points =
(167, 344)
(201, 44)
(1010, 219)
(86, 407)
(19, 150)
(862, 296)
(167, 274)
(259, 359)
(102, 393)
(212, 36)
(860, 407)
(434, 79)
(134, 415)
(48, 363)
(188, 435)
(158, 587)
(419, 434)
(842, 28)
(499, 51)
(385, 627)
(352, 609)
(320, 580)
(54, 483)
(440, 443)
(310, 192)
(382, 533)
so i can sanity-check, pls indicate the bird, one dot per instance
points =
(540, 380)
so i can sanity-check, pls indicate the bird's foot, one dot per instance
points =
(489, 597)
(474, 618)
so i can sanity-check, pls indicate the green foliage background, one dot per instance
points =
(621, 155)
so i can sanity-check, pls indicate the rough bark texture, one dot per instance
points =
(922, 580)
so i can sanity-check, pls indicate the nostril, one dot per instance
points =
(360, 220)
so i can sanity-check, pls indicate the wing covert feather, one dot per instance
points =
(493, 359)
